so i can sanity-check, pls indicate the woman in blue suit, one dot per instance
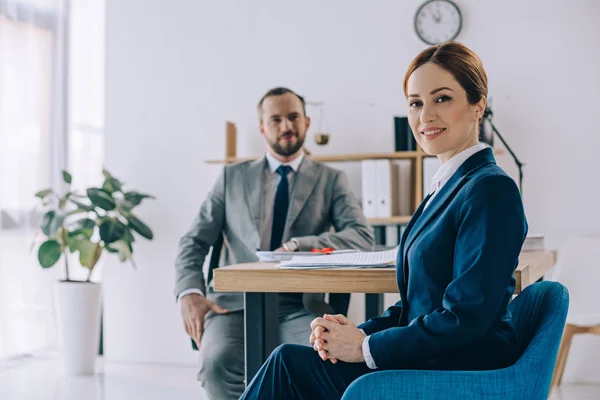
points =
(455, 262)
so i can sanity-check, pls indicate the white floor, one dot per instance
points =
(41, 378)
(576, 392)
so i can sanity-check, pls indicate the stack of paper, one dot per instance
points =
(277, 256)
(347, 260)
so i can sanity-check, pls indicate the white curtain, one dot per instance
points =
(51, 118)
(32, 153)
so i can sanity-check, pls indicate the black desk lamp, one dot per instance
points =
(487, 116)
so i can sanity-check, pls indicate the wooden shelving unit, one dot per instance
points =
(399, 155)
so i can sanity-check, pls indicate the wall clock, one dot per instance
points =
(438, 21)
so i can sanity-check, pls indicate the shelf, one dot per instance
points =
(399, 155)
(401, 220)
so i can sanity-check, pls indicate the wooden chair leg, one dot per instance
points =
(561, 360)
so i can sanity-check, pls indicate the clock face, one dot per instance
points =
(438, 21)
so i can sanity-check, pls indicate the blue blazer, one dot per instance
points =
(455, 276)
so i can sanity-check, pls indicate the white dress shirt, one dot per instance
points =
(438, 181)
(271, 181)
(448, 169)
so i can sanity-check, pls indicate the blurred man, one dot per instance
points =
(284, 201)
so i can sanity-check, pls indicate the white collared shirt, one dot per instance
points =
(448, 169)
(275, 163)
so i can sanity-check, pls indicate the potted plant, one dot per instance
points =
(90, 224)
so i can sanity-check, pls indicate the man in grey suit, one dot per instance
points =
(281, 202)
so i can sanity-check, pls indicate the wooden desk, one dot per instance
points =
(261, 282)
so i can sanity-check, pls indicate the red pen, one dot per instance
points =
(326, 250)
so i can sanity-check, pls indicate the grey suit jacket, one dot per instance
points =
(320, 199)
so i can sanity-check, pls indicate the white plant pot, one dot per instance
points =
(78, 306)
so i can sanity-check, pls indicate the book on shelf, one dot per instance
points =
(403, 136)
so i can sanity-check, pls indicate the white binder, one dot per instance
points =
(369, 188)
(387, 189)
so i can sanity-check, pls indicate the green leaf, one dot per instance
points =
(89, 253)
(125, 205)
(47, 221)
(82, 206)
(67, 177)
(76, 211)
(73, 241)
(102, 218)
(123, 248)
(128, 236)
(56, 223)
(43, 193)
(101, 199)
(64, 200)
(109, 248)
(112, 230)
(82, 227)
(49, 253)
(136, 198)
(139, 227)
(111, 185)
(84, 223)
(106, 174)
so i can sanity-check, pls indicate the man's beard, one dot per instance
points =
(288, 148)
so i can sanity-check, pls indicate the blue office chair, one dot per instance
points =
(539, 313)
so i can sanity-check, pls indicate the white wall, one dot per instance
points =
(176, 72)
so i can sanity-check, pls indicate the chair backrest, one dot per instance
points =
(539, 313)
(215, 257)
(578, 268)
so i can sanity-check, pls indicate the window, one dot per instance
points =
(35, 73)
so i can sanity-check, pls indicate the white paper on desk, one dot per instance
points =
(277, 256)
(357, 260)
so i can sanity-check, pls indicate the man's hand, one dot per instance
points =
(193, 309)
(337, 338)
(280, 250)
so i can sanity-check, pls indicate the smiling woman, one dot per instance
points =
(455, 262)
(446, 88)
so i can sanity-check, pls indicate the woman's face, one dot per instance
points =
(442, 120)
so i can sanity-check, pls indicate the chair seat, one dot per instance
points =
(585, 320)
